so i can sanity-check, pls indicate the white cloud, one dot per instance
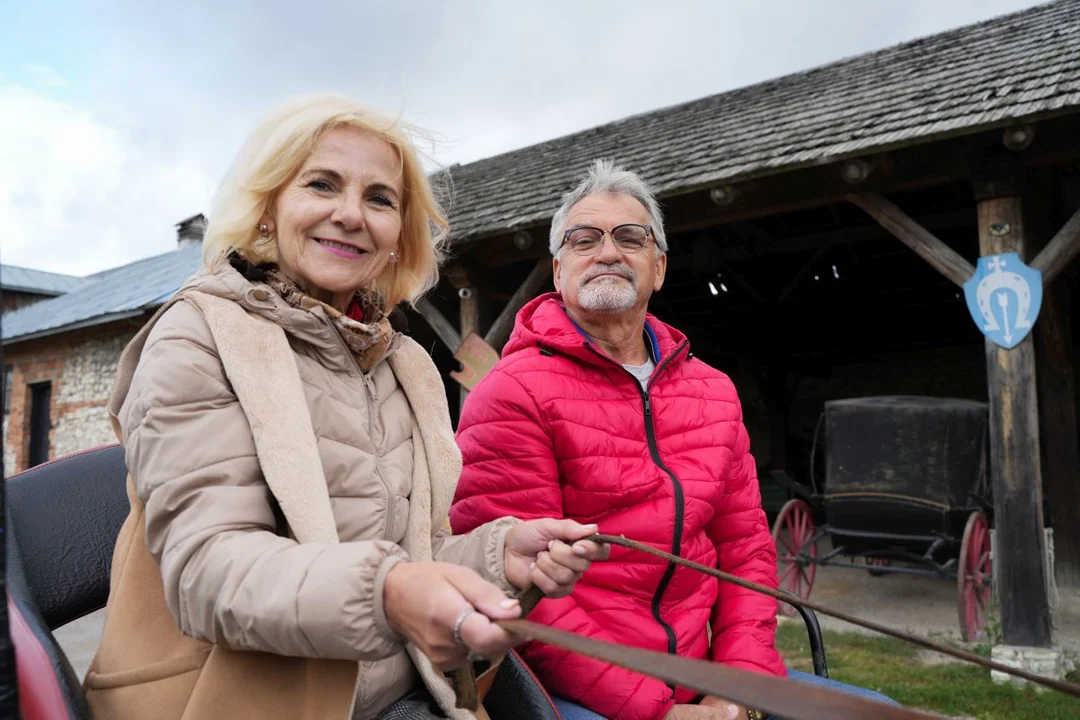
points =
(94, 174)
(77, 196)
(47, 76)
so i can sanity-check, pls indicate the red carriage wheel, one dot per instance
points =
(792, 531)
(973, 577)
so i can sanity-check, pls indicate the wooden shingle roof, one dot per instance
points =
(1016, 67)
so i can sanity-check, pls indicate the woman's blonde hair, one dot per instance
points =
(277, 149)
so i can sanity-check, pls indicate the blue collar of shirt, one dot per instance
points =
(653, 345)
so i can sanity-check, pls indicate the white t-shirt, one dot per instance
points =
(642, 372)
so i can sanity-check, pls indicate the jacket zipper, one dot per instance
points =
(680, 508)
(369, 386)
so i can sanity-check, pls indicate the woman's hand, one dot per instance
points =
(424, 600)
(551, 554)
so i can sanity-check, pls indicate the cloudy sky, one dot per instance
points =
(117, 118)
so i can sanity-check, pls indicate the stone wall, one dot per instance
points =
(81, 367)
(84, 392)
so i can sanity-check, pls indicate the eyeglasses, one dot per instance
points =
(629, 238)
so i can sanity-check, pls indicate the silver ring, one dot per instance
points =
(459, 622)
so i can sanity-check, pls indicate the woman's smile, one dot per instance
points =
(341, 249)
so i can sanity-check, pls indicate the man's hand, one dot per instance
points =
(721, 711)
(728, 710)
(550, 554)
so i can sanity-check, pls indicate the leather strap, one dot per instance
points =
(772, 695)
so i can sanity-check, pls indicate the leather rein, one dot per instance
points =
(771, 695)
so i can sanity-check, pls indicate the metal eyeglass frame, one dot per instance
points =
(604, 233)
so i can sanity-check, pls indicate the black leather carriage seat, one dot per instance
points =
(62, 521)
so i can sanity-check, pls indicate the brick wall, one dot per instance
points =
(81, 366)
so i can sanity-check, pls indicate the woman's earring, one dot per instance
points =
(265, 239)
(393, 257)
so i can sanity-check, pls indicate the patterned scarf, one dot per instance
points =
(365, 328)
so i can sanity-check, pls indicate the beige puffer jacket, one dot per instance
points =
(230, 577)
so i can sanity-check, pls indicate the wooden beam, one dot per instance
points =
(470, 310)
(438, 322)
(1015, 464)
(940, 256)
(499, 332)
(1060, 251)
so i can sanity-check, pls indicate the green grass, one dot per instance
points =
(893, 667)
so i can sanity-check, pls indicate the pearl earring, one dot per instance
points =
(393, 257)
(263, 230)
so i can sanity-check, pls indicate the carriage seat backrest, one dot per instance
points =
(64, 517)
(62, 522)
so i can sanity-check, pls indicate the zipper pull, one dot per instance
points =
(648, 406)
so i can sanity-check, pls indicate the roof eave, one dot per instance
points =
(765, 169)
(80, 325)
(32, 290)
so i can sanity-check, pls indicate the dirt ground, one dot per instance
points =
(919, 605)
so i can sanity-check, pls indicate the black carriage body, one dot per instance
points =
(904, 473)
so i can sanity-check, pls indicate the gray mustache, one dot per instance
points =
(620, 270)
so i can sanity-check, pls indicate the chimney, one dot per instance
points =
(191, 231)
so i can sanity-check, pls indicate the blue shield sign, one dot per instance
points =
(1004, 297)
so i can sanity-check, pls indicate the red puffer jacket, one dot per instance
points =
(558, 429)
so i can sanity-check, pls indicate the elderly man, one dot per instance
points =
(599, 412)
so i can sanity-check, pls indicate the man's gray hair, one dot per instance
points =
(604, 177)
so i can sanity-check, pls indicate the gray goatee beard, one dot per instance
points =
(608, 295)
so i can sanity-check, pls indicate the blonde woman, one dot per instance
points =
(228, 599)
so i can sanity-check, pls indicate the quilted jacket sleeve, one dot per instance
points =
(228, 576)
(509, 468)
(743, 621)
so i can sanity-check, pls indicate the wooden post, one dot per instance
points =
(470, 321)
(1014, 456)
